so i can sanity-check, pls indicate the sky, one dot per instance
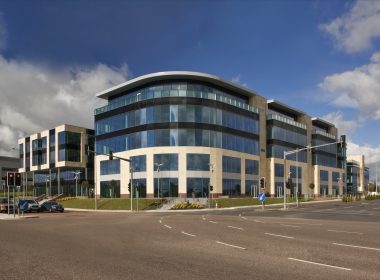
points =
(322, 57)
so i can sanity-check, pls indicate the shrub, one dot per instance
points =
(186, 205)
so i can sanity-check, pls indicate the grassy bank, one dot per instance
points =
(111, 204)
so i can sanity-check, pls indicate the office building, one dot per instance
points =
(187, 131)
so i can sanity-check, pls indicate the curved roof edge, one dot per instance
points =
(185, 75)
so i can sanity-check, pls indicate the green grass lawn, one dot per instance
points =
(147, 204)
(111, 204)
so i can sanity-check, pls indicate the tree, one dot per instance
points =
(371, 187)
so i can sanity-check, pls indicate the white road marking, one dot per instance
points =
(213, 222)
(203, 218)
(364, 203)
(258, 221)
(330, 209)
(348, 207)
(239, 228)
(230, 245)
(349, 232)
(244, 218)
(354, 246)
(285, 225)
(167, 226)
(240, 215)
(278, 235)
(189, 234)
(160, 221)
(377, 208)
(321, 264)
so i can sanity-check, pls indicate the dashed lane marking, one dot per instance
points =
(213, 222)
(278, 235)
(188, 234)
(320, 264)
(239, 228)
(355, 246)
(343, 231)
(285, 225)
(230, 245)
(167, 226)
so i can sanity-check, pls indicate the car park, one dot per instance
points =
(52, 206)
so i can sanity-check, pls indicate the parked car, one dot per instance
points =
(52, 206)
(4, 205)
(33, 205)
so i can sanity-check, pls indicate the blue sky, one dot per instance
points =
(319, 56)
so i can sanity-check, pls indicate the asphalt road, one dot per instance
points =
(329, 241)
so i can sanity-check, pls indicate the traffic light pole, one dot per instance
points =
(286, 153)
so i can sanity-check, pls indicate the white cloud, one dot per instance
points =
(356, 29)
(34, 97)
(345, 127)
(358, 88)
(237, 80)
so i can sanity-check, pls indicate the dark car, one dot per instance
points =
(52, 206)
(32, 205)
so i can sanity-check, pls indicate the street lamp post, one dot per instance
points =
(158, 178)
(209, 185)
(47, 178)
(76, 173)
(286, 153)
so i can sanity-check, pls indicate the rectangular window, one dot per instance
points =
(278, 170)
(139, 163)
(294, 172)
(231, 187)
(323, 175)
(21, 155)
(198, 162)
(69, 144)
(197, 187)
(166, 162)
(251, 167)
(231, 165)
(110, 189)
(110, 167)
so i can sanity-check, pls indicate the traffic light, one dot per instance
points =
(111, 156)
(289, 183)
(262, 182)
(129, 186)
(211, 188)
(10, 179)
(18, 179)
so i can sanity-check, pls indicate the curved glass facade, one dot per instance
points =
(172, 113)
(178, 137)
(176, 89)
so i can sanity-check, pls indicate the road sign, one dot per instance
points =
(261, 197)
(23, 205)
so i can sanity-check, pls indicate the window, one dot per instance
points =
(110, 189)
(294, 171)
(323, 175)
(139, 163)
(251, 167)
(168, 187)
(231, 187)
(231, 164)
(278, 170)
(198, 162)
(108, 167)
(197, 187)
(167, 162)
(69, 144)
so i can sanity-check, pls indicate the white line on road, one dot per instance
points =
(244, 218)
(348, 207)
(160, 221)
(213, 222)
(203, 218)
(285, 225)
(189, 234)
(330, 209)
(230, 245)
(354, 246)
(278, 235)
(343, 231)
(258, 221)
(167, 226)
(377, 208)
(239, 228)
(321, 264)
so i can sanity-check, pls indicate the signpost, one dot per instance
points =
(261, 198)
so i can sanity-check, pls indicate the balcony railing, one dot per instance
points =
(324, 133)
(139, 96)
(285, 120)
